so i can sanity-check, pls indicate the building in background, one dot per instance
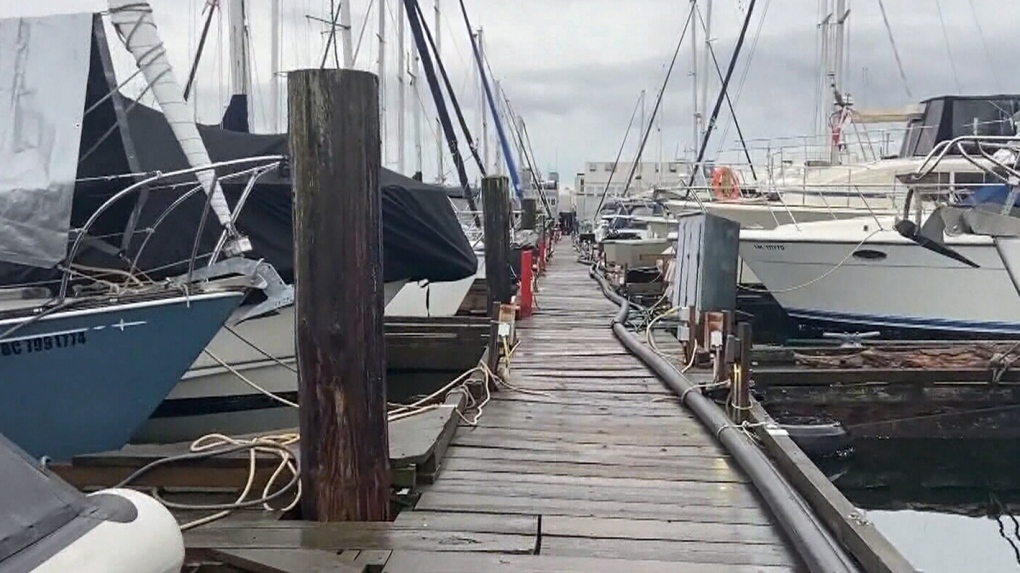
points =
(590, 184)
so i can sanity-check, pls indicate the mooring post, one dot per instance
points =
(496, 214)
(528, 208)
(335, 150)
(743, 397)
(540, 227)
(527, 278)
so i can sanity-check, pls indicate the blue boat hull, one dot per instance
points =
(904, 326)
(82, 381)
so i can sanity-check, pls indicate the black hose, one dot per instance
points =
(810, 538)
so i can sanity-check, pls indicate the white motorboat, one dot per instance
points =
(825, 192)
(861, 274)
(883, 273)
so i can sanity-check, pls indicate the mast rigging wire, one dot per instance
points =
(416, 21)
(487, 89)
(449, 88)
(984, 43)
(896, 52)
(619, 154)
(519, 138)
(198, 52)
(729, 103)
(743, 75)
(722, 90)
(334, 12)
(949, 50)
(658, 100)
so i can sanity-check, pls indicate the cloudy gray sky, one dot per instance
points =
(574, 68)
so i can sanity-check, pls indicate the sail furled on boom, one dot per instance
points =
(133, 21)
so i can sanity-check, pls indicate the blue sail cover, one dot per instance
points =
(994, 194)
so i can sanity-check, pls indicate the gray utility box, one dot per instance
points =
(705, 273)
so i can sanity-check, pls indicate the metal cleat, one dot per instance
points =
(851, 339)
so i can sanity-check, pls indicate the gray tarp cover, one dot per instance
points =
(44, 64)
(33, 503)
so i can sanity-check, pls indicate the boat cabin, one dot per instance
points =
(947, 117)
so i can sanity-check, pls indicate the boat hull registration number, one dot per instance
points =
(42, 343)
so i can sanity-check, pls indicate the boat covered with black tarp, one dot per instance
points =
(422, 237)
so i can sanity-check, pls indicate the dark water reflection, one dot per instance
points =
(949, 506)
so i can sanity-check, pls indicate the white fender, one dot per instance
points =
(151, 543)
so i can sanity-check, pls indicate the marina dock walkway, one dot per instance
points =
(586, 464)
(593, 462)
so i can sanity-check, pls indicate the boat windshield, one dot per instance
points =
(949, 117)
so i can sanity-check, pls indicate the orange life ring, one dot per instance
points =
(725, 184)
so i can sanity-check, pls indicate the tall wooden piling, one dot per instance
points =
(496, 213)
(529, 207)
(339, 300)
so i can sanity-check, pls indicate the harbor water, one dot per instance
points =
(949, 506)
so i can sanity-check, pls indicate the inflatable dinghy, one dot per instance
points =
(47, 526)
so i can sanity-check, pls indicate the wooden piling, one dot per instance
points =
(742, 398)
(496, 213)
(339, 300)
(529, 207)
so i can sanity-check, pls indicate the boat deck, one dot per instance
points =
(586, 464)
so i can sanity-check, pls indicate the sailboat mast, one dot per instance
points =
(440, 172)
(837, 67)
(706, 77)
(401, 90)
(482, 107)
(381, 72)
(274, 77)
(240, 77)
(346, 42)
(416, 105)
(696, 127)
(499, 154)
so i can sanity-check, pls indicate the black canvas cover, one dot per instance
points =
(33, 504)
(422, 238)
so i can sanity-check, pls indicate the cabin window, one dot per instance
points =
(930, 129)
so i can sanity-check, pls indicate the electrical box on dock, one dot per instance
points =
(706, 263)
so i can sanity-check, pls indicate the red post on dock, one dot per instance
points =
(527, 298)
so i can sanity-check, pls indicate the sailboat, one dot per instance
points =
(85, 362)
(423, 245)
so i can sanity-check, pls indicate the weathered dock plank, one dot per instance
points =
(343, 536)
(488, 503)
(286, 561)
(622, 477)
(423, 562)
(713, 472)
(583, 463)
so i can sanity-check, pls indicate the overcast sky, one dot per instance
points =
(574, 68)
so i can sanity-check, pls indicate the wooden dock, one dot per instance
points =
(587, 463)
